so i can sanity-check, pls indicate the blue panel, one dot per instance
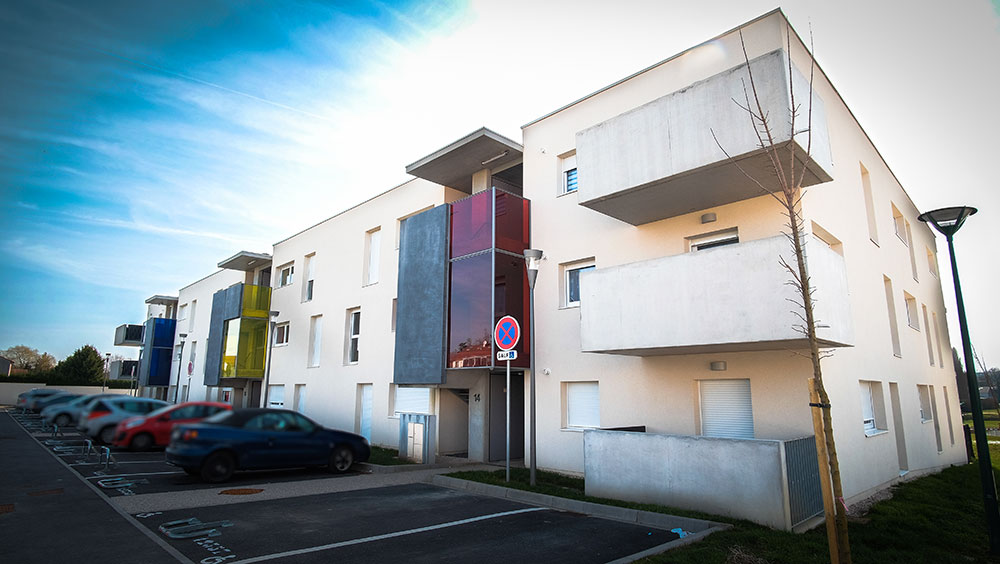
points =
(422, 298)
(213, 354)
(147, 353)
(159, 367)
(234, 302)
(163, 332)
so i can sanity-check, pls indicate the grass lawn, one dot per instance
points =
(935, 519)
(386, 457)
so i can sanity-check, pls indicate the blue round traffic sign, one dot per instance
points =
(507, 333)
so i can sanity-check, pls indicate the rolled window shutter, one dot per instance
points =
(726, 409)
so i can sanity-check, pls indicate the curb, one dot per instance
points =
(700, 528)
(369, 468)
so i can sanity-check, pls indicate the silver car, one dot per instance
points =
(66, 414)
(102, 416)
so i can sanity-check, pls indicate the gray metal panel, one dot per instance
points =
(234, 302)
(147, 353)
(805, 498)
(213, 352)
(422, 298)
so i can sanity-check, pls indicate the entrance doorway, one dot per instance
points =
(453, 422)
(498, 416)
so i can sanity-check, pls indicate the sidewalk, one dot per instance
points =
(47, 514)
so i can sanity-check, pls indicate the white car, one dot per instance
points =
(101, 418)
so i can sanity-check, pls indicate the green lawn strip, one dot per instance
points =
(386, 457)
(934, 519)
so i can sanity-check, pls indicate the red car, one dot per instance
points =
(142, 433)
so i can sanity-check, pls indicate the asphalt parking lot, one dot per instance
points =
(160, 514)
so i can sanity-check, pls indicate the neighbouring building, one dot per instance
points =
(668, 364)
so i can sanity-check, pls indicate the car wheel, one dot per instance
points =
(341, 459)
(62, 420)
(107, 434)
(142, 441)
(218, 467)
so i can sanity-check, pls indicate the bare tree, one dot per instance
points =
(785, 185)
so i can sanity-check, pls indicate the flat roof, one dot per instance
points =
(245, 261)
(454, 165)
(162, 300)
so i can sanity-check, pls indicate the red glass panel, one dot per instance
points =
(471, 224)
(510, 290)
(513, 227)
(470, 325)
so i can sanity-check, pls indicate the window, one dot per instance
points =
(947, 411)
(411, 400)
(726, 408)
(281, 334)
(307, 288)
(182, 312)
(276, 395)
(392, 323)
(353, 334)
(568, 180)
(932, 262)
(925, 403)
(373, 245)
(315, 339)
(285, 274)
(893, 327)
(583, 404)
(937, 339)
(300, 398)
(898, 223)
(827, 239)
(909, 245)
(911, 311)
(927, 333)
(872, 407)
(714, 239)
(572, 282)
(192, 356)
(194, 309)
(866, 186)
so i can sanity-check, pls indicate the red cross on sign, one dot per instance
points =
(507, 333)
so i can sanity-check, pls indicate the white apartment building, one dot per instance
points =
(668, 366)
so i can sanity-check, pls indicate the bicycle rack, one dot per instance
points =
(115, 483)
(107, 458)
(56, 432)
(88, 446)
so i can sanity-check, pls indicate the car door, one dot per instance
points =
(164, 425)
(258, 441)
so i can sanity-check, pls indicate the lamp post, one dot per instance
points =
(533, 259)
(180, 360)
(107, 368)
(272, 321)
(948, 221)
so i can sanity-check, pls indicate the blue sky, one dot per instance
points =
(143, 142)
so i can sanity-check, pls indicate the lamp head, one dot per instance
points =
(947, 220)
(533, 259)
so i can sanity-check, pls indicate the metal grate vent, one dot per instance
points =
(6, 508)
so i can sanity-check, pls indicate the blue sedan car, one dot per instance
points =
(260, 438)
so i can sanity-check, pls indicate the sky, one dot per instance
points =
(143, 142)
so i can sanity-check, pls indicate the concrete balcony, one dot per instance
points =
(128, 336)
(661, 160)
(725, 299)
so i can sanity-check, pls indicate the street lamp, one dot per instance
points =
(180, 359)
(272, 321)
(107, 368)
(948, 221)
(533, 259)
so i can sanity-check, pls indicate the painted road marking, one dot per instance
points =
(385, 536)
(101, 477)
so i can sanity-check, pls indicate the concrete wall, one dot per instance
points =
(10, 390)
(737, 478)
(689, 300)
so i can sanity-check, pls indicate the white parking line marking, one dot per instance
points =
(385, 536)
(130, 475)
(116, 463)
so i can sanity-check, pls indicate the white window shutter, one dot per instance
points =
(583, 404)
(726, 409)
(413, 400)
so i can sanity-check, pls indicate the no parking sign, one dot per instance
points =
(507, 333)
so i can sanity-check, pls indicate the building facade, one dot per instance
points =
(661, 305)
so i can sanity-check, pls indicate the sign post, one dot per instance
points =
(506, 334)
